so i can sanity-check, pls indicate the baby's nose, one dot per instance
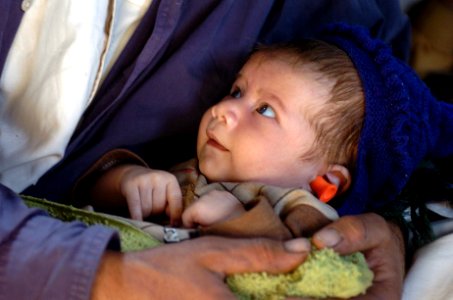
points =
(227, 112)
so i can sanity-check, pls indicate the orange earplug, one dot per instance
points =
(323, 189)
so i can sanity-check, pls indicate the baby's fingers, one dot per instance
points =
(134, 205)
(174, 202)
(190, 216)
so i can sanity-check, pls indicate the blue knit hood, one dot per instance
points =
(403, 124)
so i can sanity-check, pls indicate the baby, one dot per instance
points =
(293, 118)
(357, 118)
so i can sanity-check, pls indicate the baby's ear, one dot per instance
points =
(339, 176)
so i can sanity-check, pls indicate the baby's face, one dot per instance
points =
(260, 131)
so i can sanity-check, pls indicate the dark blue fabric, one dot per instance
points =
(182, 59)
(10, 16)
(403, 125)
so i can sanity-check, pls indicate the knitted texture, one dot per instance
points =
(403, 122)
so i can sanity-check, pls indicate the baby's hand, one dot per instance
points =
(212, 207)
(150, 191)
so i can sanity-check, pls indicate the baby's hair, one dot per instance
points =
(338, 124)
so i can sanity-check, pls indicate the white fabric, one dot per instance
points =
(430, 276)
(127, 16)
(58, 58)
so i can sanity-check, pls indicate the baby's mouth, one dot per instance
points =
(212, 142)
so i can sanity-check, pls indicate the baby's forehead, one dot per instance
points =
(275, 55)
(292, 67)
(294, 62)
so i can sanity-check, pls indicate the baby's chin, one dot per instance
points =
(222, 178)
(213, 173)
(206, 170)
(218, 176)
(266, 181)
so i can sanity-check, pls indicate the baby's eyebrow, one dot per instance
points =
(241, 79)
(275, 99)
(239, 76)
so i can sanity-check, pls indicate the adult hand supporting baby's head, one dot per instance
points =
(379, 240)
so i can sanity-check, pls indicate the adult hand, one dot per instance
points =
(382, 244)
(304, 220)
(193, 269)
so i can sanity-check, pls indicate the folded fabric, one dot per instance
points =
(131, 237)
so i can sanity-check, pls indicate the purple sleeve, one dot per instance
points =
(44, 258)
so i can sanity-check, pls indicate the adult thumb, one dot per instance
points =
(260, 255)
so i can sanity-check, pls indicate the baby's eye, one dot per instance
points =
(236, 93)
(266, 111)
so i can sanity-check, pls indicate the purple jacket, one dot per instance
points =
(181, 59)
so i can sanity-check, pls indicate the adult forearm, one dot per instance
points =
(44, 258)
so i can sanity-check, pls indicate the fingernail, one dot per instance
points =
(328, 237)
(297, 245)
